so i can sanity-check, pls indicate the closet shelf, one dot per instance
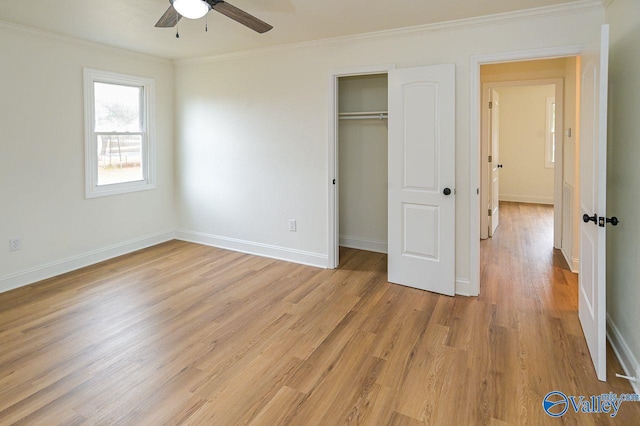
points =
(363, 115)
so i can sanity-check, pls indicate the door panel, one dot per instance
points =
(420, 139)
(593, 173)
(425, 219)
(421, 166)
(495, 158)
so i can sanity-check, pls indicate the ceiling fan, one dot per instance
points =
(196, 9)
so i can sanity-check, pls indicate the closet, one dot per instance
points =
(362, 161)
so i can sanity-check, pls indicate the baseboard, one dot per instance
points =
(463, 288)
(574, 263)
(363, 244)
(526, 199)
(52, 269)
(627, 359)
(258, 249)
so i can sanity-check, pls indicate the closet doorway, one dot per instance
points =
(362, 162)
(358, 160)
(418, 181)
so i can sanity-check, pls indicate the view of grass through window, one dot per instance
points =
(118, 127)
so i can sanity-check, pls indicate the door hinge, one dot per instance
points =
(491, 158)
(489, 213)
(490, 104)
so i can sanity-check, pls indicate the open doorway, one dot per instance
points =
(589, 199)
(529, 144)
(362, 159)
(519, 138)
(359, 108)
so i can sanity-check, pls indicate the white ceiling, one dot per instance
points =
(130, 24)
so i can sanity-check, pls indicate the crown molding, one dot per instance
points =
(73, 41)
(571, 8)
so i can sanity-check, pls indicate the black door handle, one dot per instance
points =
(446, 191)
(586, 218)
(612, 220)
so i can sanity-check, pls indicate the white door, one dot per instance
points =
(422, 178)
(593, 174)
(495, 161)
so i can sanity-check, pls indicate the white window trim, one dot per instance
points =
(548, 148)
(92, 190)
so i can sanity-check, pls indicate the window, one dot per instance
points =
(550, 148)
(119, 127)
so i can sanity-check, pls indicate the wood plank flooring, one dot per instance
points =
(186, 334)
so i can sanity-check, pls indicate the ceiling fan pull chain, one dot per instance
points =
(177, 24)
(206, 23)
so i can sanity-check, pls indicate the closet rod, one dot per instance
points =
(363, 117)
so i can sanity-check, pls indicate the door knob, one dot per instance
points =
(586, 218)
(499, 166)
(447, 191)
(612, 220)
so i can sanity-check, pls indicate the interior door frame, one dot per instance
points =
(474, 139)
(558, 169)
(333, 214)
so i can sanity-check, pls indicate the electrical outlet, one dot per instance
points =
(293, 227)
(14, 244)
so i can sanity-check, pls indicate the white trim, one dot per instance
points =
(533, 199)
(571, 8)
(62, 266)
(463, 288)
(574, 263)
(73, 41)
(333, 231)
(148, 127)
(627, 359)
(474, 139)
(52, 269)
(259, 249)
(363, 244)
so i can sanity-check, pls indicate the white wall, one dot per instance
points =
(253, 129)
(623, 241)
(42, 159)
(362, 161)
(523, 121)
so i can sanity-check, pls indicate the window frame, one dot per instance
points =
(550, 135)
(148, 145)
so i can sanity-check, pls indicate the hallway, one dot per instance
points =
(534, 297)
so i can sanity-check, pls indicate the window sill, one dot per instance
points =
(118, 188)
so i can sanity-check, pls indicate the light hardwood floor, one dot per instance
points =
(186, 334)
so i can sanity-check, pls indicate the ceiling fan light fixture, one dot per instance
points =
(192, 9)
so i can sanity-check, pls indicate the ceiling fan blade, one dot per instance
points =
(241, 16)
(169, 19)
